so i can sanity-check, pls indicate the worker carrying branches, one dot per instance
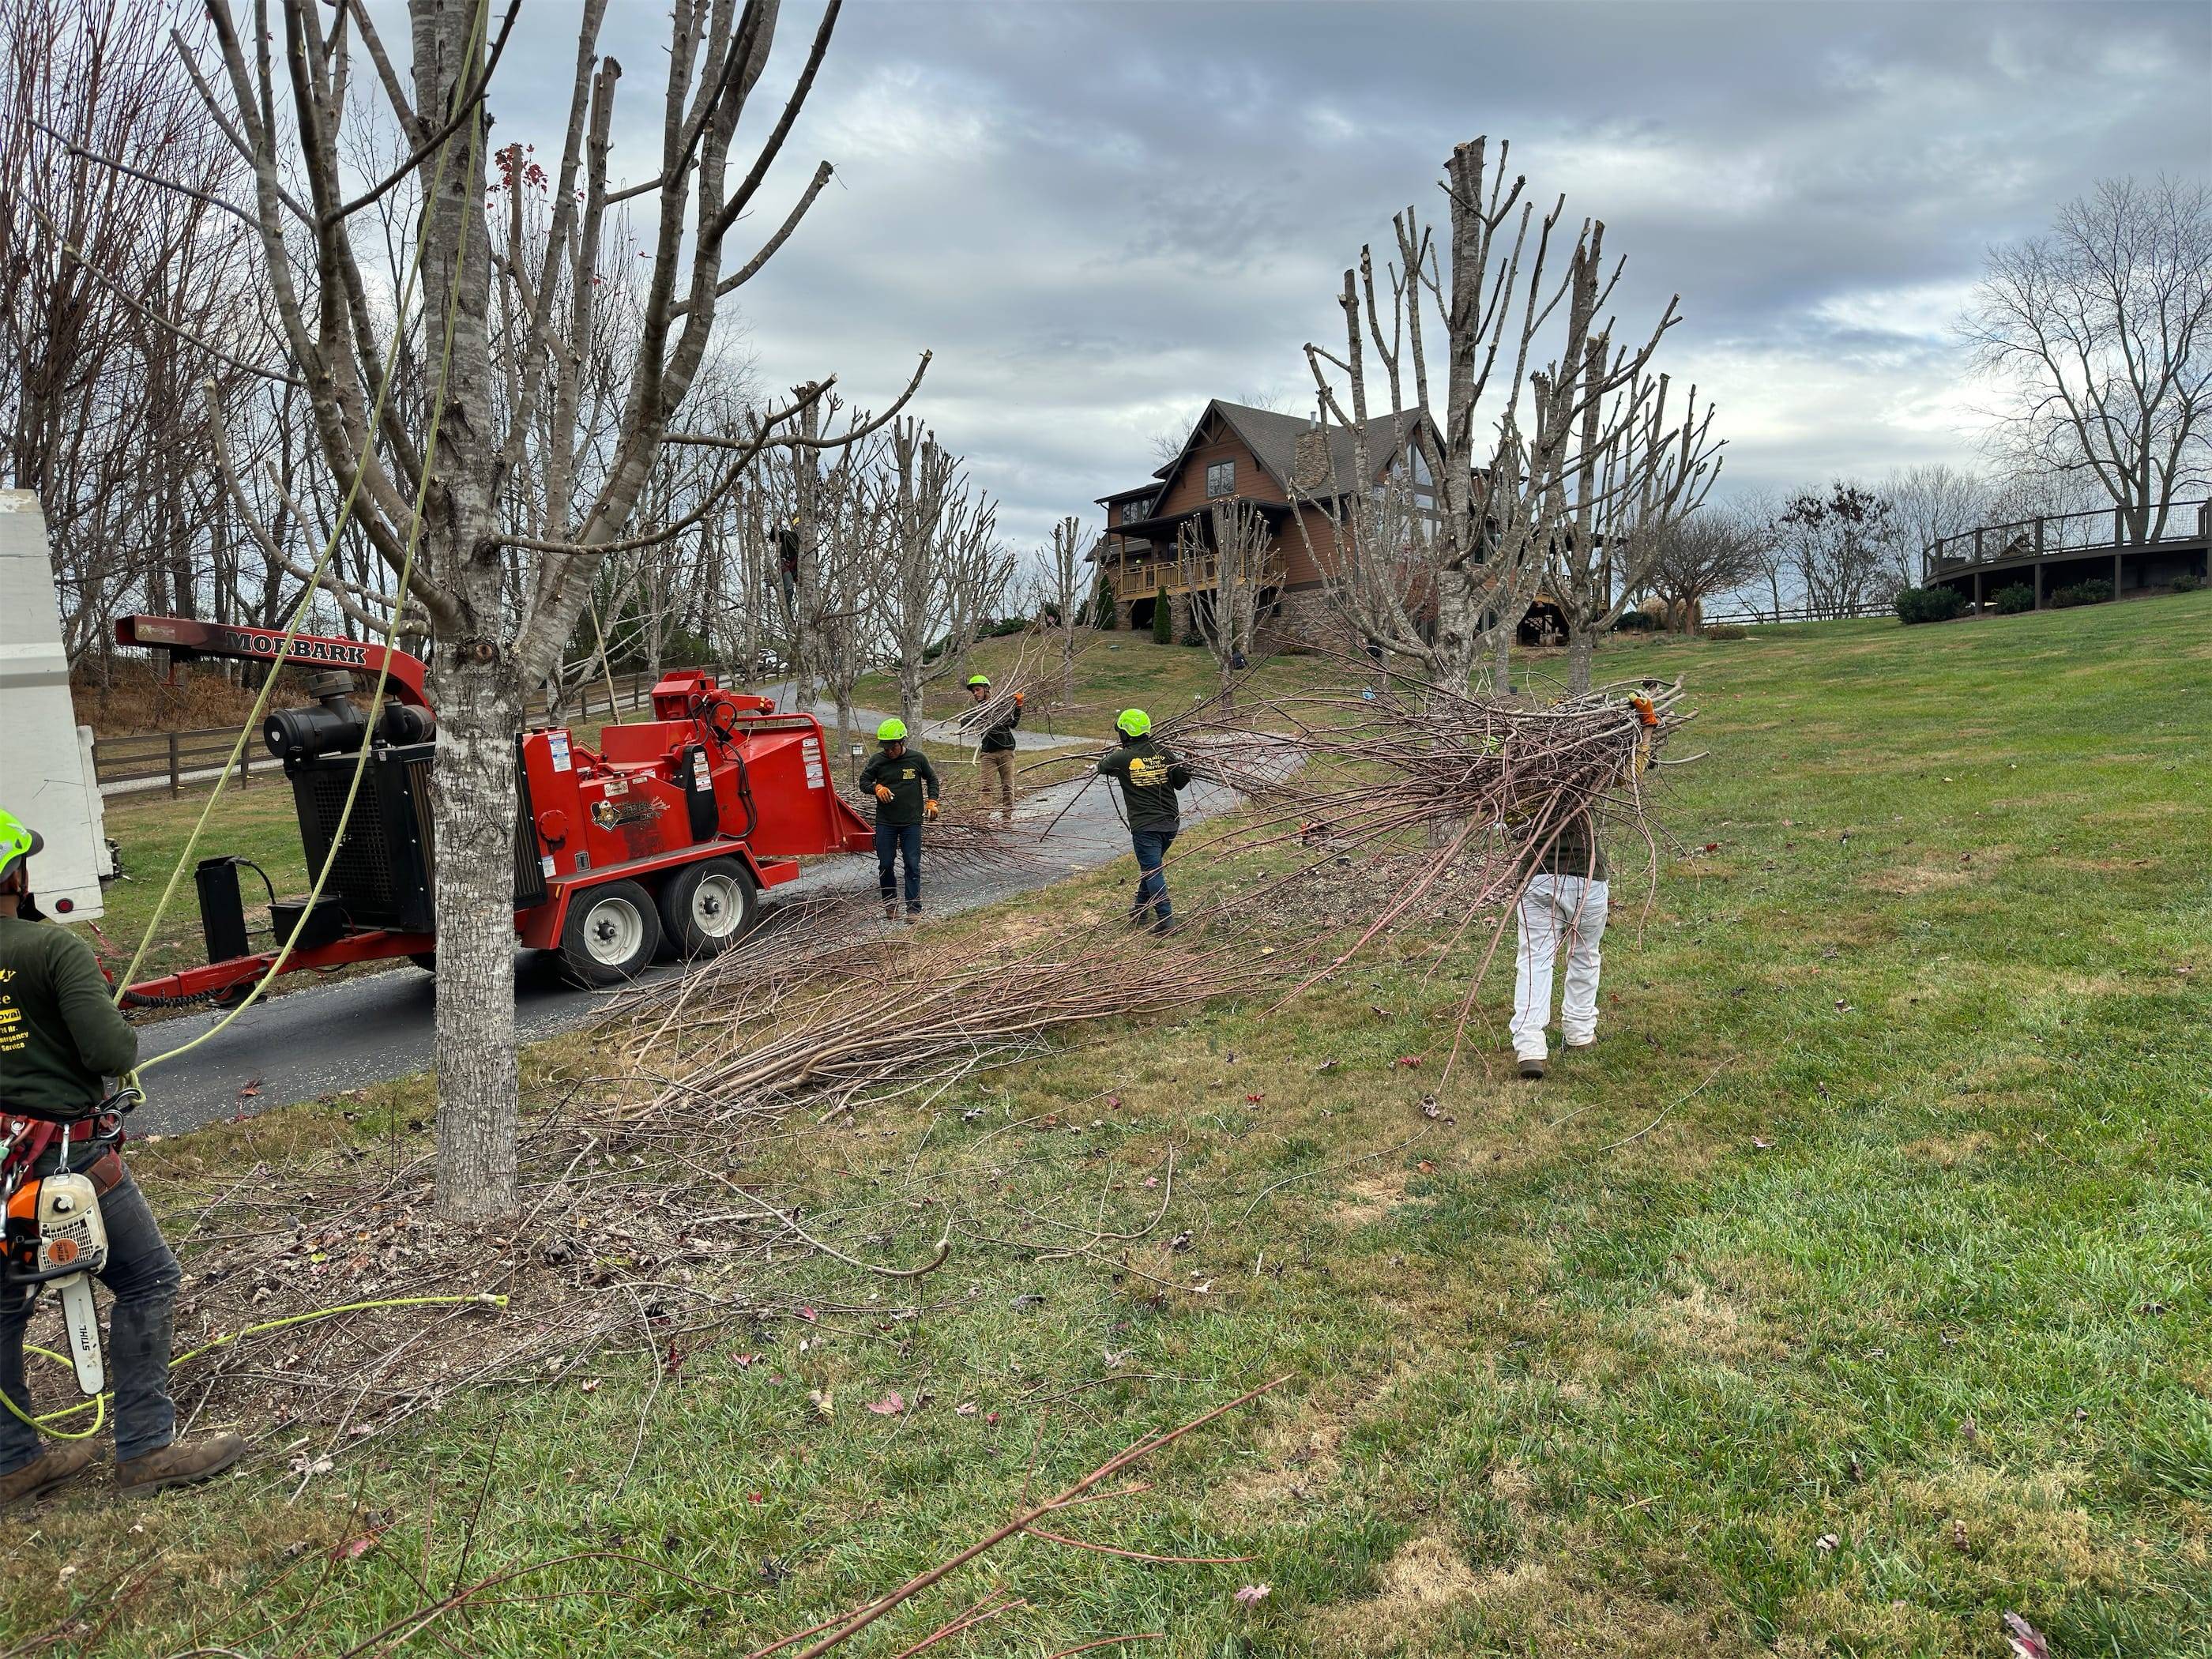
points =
(904, 784)
(60, 1035)
(1149, 776)
(997, 746)
(1564, 903)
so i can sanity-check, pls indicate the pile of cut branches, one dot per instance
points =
(879, 1027)
(637, 1231)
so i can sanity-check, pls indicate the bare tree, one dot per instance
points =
(1638, 478)
(125, 286)
(1066, 590)
(2100, 334)
(1438, 534)
(1226, 559)
(1698, 557)
(500, 363)
(1929, 502)
(943, 569)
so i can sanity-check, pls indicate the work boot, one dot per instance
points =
(1531, 1069)
(1582, 1042)
(913, 917)
(891, 909)
(1165, 926)
(180, 1464)
(44, 1473)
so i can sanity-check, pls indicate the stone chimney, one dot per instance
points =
(1309, 461)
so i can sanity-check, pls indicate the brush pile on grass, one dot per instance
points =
(637, 1230)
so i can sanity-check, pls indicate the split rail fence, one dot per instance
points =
(173, 760)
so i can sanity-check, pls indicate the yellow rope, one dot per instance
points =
(330, 548)
(390, 627)
(98, 1404)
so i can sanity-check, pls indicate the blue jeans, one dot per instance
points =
(1152, 846)
(902, 842)
(143, 1276)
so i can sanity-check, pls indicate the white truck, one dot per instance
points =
(46, 776)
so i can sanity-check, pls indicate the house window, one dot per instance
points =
(1134, 512)
(1220, 479)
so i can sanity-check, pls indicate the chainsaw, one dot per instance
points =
(54, 1235)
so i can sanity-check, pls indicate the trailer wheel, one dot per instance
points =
(707, 907)
(426, 960)
(611, 935)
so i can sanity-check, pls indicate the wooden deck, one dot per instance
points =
(2059, 550)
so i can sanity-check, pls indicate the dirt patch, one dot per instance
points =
(1424, 1580)
(1372, 1198)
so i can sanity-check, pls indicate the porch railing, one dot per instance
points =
(2099, 530)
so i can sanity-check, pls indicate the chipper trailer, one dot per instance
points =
(660, 840)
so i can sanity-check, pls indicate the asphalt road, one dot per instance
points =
(353, 1032)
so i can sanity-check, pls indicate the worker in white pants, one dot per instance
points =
(1566, 902)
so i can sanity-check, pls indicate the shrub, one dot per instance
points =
(1727, 631)
(1163, 619)
(2011, 601)
(2187, 584)
(1637, 622)
(1929, 604)
(1106, 615)
(2080, 593)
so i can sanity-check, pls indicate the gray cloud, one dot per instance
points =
(1099, 215)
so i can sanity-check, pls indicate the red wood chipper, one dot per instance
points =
(659, 842)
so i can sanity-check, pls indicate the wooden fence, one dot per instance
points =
(128, 765)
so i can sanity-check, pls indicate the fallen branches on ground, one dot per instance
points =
(881, 1030)
(845, 1626)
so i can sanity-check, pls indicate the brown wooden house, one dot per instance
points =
(1285, 466)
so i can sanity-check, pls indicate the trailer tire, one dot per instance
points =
(611, 935)
(707, 907)
(426, 960)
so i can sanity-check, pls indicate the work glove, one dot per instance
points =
(884, 793)
(929, 810)
(1018, 700)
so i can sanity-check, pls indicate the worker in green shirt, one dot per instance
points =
(60, 1038)
(1149, 776)
(904, 784)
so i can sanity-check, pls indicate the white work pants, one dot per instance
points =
(1556, 909)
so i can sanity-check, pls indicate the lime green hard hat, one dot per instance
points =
(1133, 723)
(18, 843)
(891, 731)
(979, 679)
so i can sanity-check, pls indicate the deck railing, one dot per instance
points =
(2099, 530)
(1141, 579)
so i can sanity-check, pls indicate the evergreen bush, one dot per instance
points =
(1929, 604)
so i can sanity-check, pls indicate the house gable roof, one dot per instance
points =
(1272, 438)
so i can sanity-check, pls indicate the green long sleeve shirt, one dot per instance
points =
(909, 777)
(59, 1033)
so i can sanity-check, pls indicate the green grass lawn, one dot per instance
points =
(1849, 1293)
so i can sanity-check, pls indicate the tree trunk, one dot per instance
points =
(1582, 646)
(1501, 672)
(479, 712)
(910, 690)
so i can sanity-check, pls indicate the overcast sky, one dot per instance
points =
(1099, 215)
